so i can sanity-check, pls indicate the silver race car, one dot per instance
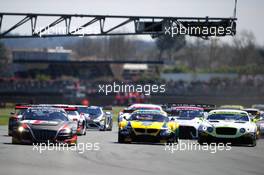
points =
(97, 118)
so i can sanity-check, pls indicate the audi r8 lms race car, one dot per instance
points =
(189, 119)
(129, 110)
(226, 125)
(72, 112)
(148, 126)
(45, 124)
(99, 119)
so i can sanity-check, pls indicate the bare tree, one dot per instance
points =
(169, 44)
(4, 59)
(244, 48)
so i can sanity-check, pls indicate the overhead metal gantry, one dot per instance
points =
(99, 25)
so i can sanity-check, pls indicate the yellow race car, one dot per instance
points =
(148, 126)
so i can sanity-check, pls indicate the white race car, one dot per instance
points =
(125, 113)
(228, 126)
(189, 119)
(74, 115)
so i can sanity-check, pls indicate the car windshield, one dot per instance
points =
(71, 112)
(48, 115)
(145, 108)
(87, 110)
(235, 117)
(94, 111)
(187, 114)
(148, 117)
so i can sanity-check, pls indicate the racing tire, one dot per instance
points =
(258, 135)
(15, 141)
(176, 140)
(202, 141)
(173, 141)
(110, 127)
(121, 139)
(253, 142)
(9, 133)
(103, 129)
(84, 129)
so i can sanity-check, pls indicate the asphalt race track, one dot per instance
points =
(116, 159)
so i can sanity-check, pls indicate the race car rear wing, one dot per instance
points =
(23, 106)
(26, 106)
(207, 107)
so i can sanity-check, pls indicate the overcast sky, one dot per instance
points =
(250, 13)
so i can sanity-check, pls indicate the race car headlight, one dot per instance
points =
(210, 129)
(242, 130)
(65, 131)
(202, 128)
(23, 128)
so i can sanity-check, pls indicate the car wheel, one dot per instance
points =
(258, 133)
(110, 127)
(84, 128)
(121, 139)
(202, 141)
(103, 128)
(15, 141)
(9, 133)
(173, 140)
(253, 142)
(176, 140)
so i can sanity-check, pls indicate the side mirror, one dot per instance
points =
(12, 113)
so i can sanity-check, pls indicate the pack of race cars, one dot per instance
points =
(167, 123)
(206, 123)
